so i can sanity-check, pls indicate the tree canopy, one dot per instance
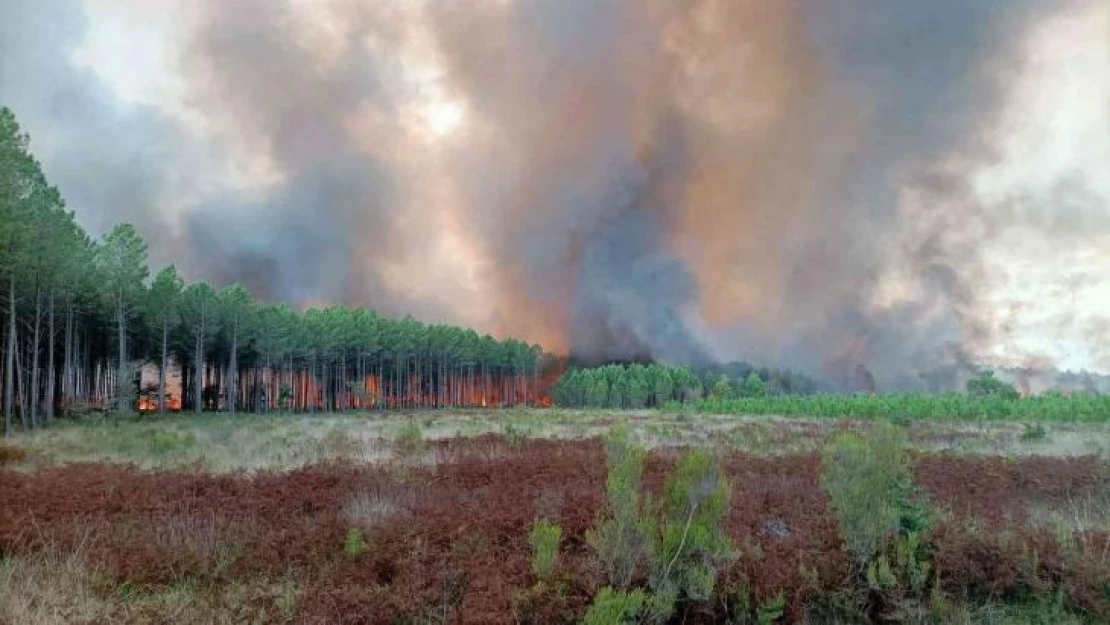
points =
(83, 317)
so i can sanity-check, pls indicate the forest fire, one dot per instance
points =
(150, 404)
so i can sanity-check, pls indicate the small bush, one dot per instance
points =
(692, 544)
(1035, 432)
(169, 441)
(771, 610)
(765, 613)
(354, 544)
(514, 436)
(754, 386)
(10, 454)
(616, 607)
(900, 579)
(869, 480)
(623, 535)
(337, 441)
(545, 547)
(411, 437)
(682, 551)
(986, 385)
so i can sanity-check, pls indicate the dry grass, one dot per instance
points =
(247, 443)
(10, 454)
(377, 506)
(48, 588)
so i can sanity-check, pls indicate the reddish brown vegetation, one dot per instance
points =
(10, 454)
(464, 525)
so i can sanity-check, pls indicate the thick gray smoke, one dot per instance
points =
(686, 181)
(113, 162)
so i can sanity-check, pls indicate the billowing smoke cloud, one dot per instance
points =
(791, 183)
(112, 161)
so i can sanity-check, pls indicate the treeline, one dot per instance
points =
(763, 392)
(952, 406)
(656, 385)
(81, 317)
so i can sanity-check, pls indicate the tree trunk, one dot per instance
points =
(162, 368)
(50, 377)
(198, 371)
(121, 381)
(9, 367)
(68, 381)
(22, 390)
(233, 369)
(35, 342)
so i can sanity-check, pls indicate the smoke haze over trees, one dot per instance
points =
(899, 191)
(80, 317)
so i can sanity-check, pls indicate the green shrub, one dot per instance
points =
(1035, 432)
(616, 607)
(766, 613)
(905, 572)
(692, 544)
(623, 534)
(869, 482)
(771, 610)
(514, 435)
(680, 549)
(986, 385)
(545, 547)
(721, 388)
(754, 386)
(354, 544)
(411, 437)
(169, 441)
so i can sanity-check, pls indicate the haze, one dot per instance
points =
(908, 186)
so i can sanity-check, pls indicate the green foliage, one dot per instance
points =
(906, 407)
(677, 388)
(1035, 432)
(623, 536)
(772, 610)
(616, 607)
(692, 546)
(720, 388)
(869, 481)
(353, 543)
(679, 547)
(986, 385)
(169, 441)
(411, 436)
(905, 571)
(514, 435)
(754, 386)
(544, 539)
(92, 298)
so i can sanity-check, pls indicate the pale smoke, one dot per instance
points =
(788, 183)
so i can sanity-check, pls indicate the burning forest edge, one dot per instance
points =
(86, 329)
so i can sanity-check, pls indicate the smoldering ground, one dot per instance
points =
(788, 183)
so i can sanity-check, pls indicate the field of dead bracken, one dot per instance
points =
(426, 517)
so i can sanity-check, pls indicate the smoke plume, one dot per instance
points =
(822, 185)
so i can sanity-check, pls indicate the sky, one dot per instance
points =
(911, 187)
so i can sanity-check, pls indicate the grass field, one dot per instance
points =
(425, 517)
(245, 442)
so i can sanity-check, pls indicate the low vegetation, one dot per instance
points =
(681, 389)
(859, 526)
(545, 547)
